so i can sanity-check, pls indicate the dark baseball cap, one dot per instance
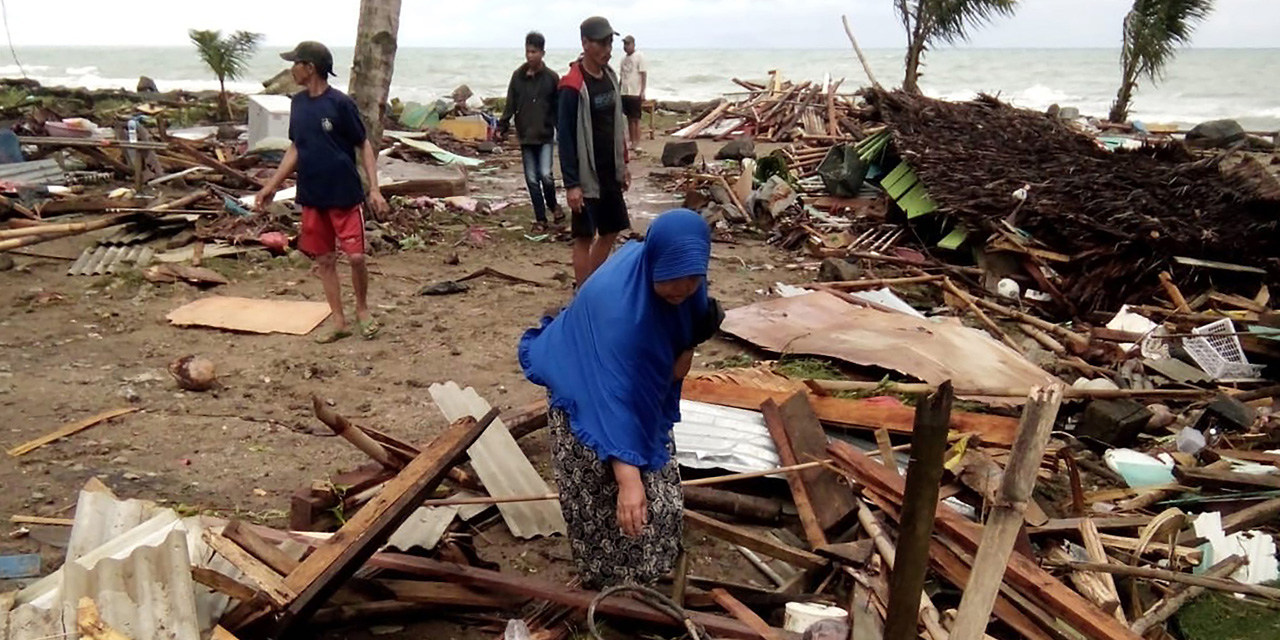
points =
(314, 53)
(597, 28)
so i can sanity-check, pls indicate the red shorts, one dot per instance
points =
(323, 230)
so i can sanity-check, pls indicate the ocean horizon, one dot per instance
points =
(1199, 84)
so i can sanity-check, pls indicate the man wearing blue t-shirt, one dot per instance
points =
(326, 130)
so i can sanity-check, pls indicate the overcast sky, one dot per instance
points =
(777, 24)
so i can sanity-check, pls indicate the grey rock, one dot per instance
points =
(119, 460)
(1216, 134)
(838, 270)
(6, 262)
(739, 149)
(281, 84)
(1115, 422)
(679, 154)
(1069, 113)
(147, 85)
(826, 630)
(132, 476)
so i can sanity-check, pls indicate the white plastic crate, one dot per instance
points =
(1217, 350)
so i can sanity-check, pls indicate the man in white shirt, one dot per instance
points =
(635, 79)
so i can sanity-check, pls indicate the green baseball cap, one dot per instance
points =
(313, 52)
(597, 28)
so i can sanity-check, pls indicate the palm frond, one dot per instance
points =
(1155, 29)
(952, 19)
(228, 57)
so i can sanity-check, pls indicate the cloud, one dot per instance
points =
(689, 24)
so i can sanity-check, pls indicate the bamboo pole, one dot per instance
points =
(1078, 342)
(1217, 584)
(1002, 527)
(854, 285)
(968, 301)
(1170, 605)
(866, 66)
(884, 546)
(65, 227)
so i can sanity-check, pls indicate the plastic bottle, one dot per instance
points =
(133, 130)
(1190, 441)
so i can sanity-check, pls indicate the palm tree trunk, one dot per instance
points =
(374, 62)
(224, 105)
(1120, 108)
(916, 41)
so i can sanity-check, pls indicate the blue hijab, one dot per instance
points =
(608, 359)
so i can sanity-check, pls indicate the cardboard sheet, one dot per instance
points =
(295, 317)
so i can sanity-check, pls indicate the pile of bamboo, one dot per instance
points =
(781, 111)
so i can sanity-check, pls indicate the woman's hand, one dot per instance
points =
(633, 506)
(684, 362)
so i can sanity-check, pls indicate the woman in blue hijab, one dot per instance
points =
(613, 362)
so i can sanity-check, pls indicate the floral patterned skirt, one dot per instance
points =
(589, 500)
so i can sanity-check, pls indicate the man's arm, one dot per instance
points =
(643, 68)
(369, 159)
(567, 133)
(510, 108)
(286, 169)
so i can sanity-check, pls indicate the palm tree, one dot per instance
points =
(930, 21)
(228, 57)
(1153, 30)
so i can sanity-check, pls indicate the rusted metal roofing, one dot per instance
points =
(502, 466)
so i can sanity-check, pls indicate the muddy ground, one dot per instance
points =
(71, 347)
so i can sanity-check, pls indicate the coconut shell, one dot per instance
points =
(194, 373)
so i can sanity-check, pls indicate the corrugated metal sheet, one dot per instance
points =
(103, 259)
(35, 172)
(134, 560)
(502, 466)
(423, 529)
(710, 436)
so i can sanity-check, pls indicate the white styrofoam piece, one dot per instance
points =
(268, 117)
(1258, 547)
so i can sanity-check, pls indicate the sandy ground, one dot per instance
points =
(71, 347)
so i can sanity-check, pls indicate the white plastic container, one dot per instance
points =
(268, 117)
(799, 615)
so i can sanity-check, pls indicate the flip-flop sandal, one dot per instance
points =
(333, 336)
(369, 330)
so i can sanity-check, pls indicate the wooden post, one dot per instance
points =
(374, 62)
(928, 444)
(1002, 527)
(325, 570)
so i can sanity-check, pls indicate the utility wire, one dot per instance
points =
(4, 11)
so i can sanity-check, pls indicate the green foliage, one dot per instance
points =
(808, 369)
(227, 58)
(1221, 616)
(740, 361)
(1153, 31)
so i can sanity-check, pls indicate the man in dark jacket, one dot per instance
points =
(593, 149)
(531, 98)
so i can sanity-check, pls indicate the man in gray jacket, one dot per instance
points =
(593, 149)
(531, 99)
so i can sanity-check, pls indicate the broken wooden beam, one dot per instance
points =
(270, 583)
(1022, 573)
(799, 490)
(70, 429)
(1005, 521)
(738, 505)
(258, 547)
(744, 614)
(920, 501)
(543, 590)
(358, 438)
(1217, 584)
(737, 535)
(223, 584)
(324, 571)
(851, 414)
(1170, 605)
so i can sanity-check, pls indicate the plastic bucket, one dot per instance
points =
(800, 615)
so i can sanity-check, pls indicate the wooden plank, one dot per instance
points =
(1097, 552)
(832, 501)
(324, 571)
(267, 580)
(221, 634)
(954, 569)
(90, 624)
(1218, 584)
(743, 614)
(67, 430)
(799, 490)
(268, 553)
(924, 476)
(887, 457)
(40, 520)
(1067, 525)
(1005, 521)
(851, 414)
(755, 542)
(223, 584)
(23, 565)
(559, 594)
(446, 594)
(1022, 573)
(1231, 479)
